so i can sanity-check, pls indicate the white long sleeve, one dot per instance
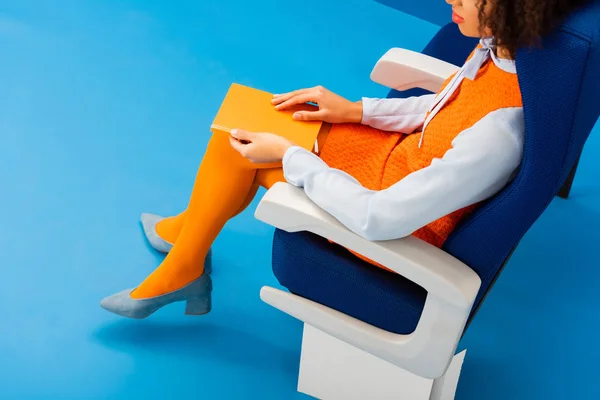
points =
(481, 161)
(396, 115)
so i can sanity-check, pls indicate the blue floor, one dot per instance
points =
(104, 111)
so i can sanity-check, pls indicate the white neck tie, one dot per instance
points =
(480, 56)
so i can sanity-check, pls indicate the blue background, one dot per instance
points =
(104, 114)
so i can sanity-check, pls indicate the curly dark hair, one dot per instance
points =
(522, 23)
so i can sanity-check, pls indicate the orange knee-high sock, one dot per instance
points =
(223, 183)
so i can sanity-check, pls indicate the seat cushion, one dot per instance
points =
(313, 268)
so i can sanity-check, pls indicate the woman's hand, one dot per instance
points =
(259, 147)
(332, 108)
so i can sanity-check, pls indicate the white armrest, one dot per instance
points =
(288, 208)
(451, 286)
(403, 69)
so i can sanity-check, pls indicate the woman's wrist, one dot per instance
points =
(285, 147)
(354, 114)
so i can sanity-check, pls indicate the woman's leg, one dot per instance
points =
(224, 182)
(169, 228)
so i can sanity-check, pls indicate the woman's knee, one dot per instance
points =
(268, 177)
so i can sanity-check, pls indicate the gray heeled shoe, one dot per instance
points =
(149, 222)
(197, 295)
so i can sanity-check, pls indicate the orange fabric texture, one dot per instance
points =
(379, 160)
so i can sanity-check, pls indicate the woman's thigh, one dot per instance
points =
(358, 150)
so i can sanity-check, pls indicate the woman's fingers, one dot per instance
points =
(298, 99)
(264, 148)
(238, 146)
(241, 141)
(310, 115)
(280, 98)
(242, 135)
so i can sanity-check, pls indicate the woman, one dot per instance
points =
(388, 168)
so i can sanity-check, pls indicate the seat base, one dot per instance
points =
(331, 369)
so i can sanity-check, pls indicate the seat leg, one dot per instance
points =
(331, 369)
(565, 190)
(444, 387)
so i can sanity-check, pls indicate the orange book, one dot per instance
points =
(251, 110)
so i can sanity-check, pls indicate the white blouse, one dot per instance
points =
(482, 160)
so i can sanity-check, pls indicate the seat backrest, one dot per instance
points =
(559, 83)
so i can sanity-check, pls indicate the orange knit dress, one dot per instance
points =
(379, 159)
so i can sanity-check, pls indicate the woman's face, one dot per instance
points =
(465, 13)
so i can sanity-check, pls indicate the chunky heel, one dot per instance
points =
(208, 262)
(198, 306)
